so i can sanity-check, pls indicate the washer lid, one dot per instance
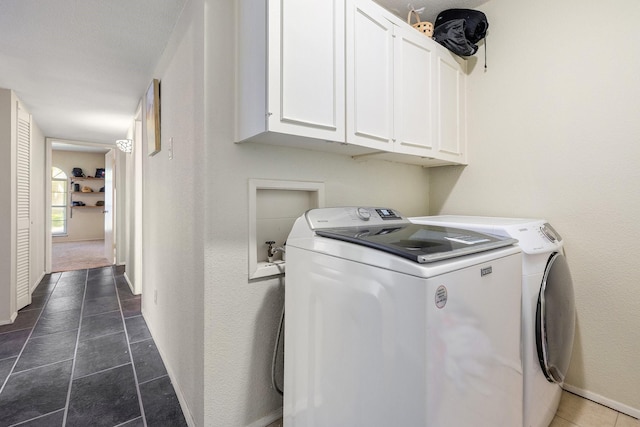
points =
(418, 243)
(555, 319)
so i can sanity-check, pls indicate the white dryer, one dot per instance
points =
(548, 307)
(389, 323)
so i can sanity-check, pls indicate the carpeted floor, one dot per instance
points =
(68, 256)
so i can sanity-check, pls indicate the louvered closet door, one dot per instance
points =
(23, 294)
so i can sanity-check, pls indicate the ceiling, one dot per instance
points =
(78, 146)
(81, 66)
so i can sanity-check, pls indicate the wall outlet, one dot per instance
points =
(171, 148)
(155, 296)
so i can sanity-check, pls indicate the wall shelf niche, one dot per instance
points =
(273, 208)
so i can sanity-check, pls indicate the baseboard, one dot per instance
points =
(37, 282)
(93, 239)
(620, 407)
(265, 421)
(262, 422)
(126, 277)
(31, 289)
(183, 403)
(11, 319)
(89, 239)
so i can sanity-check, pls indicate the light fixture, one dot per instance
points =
(125, 145)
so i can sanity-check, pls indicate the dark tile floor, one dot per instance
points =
(81, 355)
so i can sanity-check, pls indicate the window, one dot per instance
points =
(59, 199)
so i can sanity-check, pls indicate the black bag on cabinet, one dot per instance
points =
(77, 172)
(460, 29)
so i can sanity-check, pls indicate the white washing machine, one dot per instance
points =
(389, 323)
(548, 307)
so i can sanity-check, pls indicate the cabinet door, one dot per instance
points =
(414, 99)
(369, 75)
(306, 68)
(451, 108)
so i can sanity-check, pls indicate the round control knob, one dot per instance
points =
(549, 233)
(363, 214)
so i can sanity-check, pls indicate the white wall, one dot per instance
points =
(555, 133)
(7, 293)
(133, 206)
(86, 224)
(39, 175)
(119, 204)
(241, 317)
(174, 213)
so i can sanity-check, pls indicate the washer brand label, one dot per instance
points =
(441, 296)
(485, 271)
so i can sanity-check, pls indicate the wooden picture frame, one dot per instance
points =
(152, 109)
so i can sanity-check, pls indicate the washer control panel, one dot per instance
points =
(387, 214)
(364, 214)
(353, 216)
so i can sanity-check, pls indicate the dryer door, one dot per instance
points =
(555, 319)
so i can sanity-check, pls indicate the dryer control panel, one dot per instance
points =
(537, 237)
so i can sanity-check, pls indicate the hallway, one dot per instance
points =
(67, 256)
(81, 355)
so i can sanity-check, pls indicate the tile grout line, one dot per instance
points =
(16, 330)
(75, 353)
(156, 378)
(103, 371)
(21, 423)
(133, 365)
(43, 366)
(100, 314)
(6, 380)
(568, 421)
(128, 421)
(102, 336)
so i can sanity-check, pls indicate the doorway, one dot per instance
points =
(77, 205)
(68, 256)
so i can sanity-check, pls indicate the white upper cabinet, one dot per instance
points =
(414, 100)
(370, 85)
(347, 76)
(291, 69)
(405, 92)
(390, 67)
(451, 140)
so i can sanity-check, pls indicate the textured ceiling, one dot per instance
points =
(431, 7)
(81, 66)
